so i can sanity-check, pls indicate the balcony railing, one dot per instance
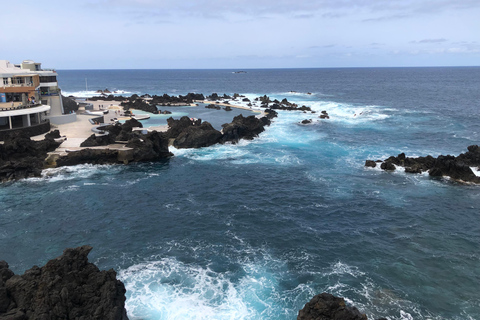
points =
(17, 85)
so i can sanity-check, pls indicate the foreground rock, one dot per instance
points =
(21, 157)
(457, 168)
(326, 306)
(68, 287)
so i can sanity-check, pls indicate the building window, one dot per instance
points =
(5, 81)
(48, 79)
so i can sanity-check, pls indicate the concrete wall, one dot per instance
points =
(31, 131)
(62, 119)
(56, 103)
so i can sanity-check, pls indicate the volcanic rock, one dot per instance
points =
(21, 157)
(195, 136)
(388, 166)
(370, 163)
(243, 128)
(68, 287)
(325, 306)
(457, 168)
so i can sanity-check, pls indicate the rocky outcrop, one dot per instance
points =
(135, 102)
(457, 168)
(243, 128)
(175, 127)
(21, 157)
(213, 106)
(197, 136)
(116, 132)
(68, 287)
(324, 115)
(188, 133)
(152, 146)
(265, 102)
(325, 306)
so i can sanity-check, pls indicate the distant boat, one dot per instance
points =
(239, 72)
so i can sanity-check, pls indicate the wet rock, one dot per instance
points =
(413, 169)
(457, 168)
(243, 128)
(370, 163)
(326, 306)
(306, 121)
(150, 147)
(387, 166)
(453, 168)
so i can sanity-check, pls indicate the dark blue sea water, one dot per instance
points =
(254, 230)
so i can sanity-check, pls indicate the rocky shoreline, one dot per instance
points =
(21, 157)
(70, 287)
(457, 168)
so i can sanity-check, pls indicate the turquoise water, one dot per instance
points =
(215, 117)
(254, 230)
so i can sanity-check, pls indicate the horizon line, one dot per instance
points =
(284, 68)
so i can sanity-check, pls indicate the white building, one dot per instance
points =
(29, 96)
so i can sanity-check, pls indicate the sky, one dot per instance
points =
(240, 34)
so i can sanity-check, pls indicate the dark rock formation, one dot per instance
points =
(197, 136)
(152, 146)
(243, 128)
(21, 157)
(388, 166)
(110, 97)
(68, 287)
(188, 133)
(69, 105)
(457, 168)
(324, 115)
(140, 147)
(213, 106)
(370, 163)
(326, 306)
(92, 156)
(116, 132)
(453, 168)
(227, 108)
(139, 104)
(175, 127)
(306, 121)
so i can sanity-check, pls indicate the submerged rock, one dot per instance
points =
(68, 287)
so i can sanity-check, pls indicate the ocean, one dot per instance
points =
(254, 230)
